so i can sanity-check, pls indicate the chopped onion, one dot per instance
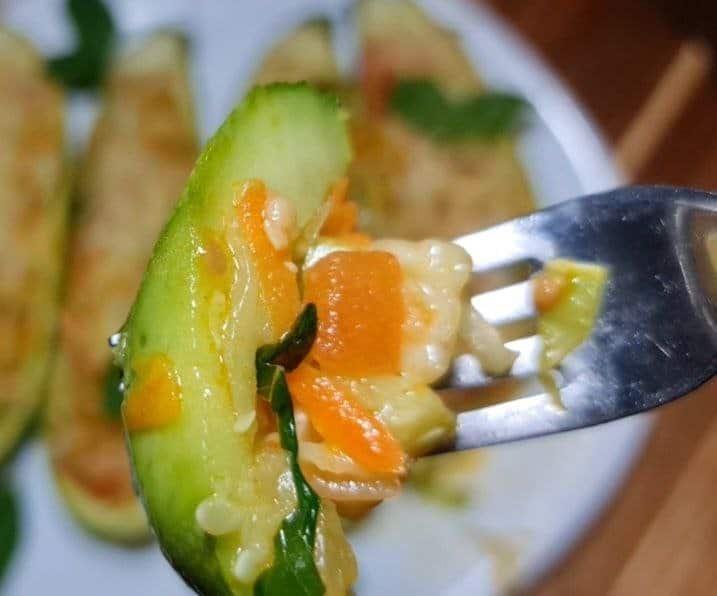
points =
(354, 490)
(483, 340)
(333, 461)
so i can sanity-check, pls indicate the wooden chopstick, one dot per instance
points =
(672, 93)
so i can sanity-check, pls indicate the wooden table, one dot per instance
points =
(648, 81)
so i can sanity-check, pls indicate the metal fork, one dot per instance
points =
(654, 341)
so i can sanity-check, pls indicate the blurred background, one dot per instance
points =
(645, 71)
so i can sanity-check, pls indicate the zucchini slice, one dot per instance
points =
(214, 497)
(139, 157)
(34, 183)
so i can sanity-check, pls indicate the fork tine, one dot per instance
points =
(506, 245)
(496, 392)
(506, 304)
(528, 359)
(521, 418)
(492, 279)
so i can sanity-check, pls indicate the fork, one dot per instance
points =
(654, 341)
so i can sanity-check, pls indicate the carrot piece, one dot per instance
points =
(343, 423)
(343, 217)
(359, 299)
(277, 273)
(154, 399)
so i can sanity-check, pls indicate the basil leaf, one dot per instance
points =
(296, 343)
(485, 116)
(113, 392)
(9, 527)
(294, 570)
(84, 67)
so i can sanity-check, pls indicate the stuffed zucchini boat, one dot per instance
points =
(306, 54)
(139, 157)
(34, 185)
(435, 149)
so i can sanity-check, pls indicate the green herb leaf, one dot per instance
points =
(294, 570)
(9, 527)
(84, 67)
(113, 393)
(295, 344)
(486, 116)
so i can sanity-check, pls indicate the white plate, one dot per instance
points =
(532, 501)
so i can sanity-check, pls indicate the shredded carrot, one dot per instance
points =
(343, 216)
(277, 274)
(343, 423)
(358, 296)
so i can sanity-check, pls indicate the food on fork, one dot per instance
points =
(277, 363)
(34, 182)
(138, 159)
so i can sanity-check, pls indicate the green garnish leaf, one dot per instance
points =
(84, 67)
(295, 344)
(294, 569)
(9, 527)
(113, 394)
(486, 116)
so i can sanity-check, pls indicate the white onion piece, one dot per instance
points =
(339, 490)
(331, 460)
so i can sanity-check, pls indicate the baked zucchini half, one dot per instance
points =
(34, 182)
(412, 183)
(306, 54)
(137, 162)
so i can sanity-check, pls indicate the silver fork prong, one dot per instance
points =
(534, 415)
(506, 304)
(492, 279)
(496, 391)
(506, 245)
(528, 359)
